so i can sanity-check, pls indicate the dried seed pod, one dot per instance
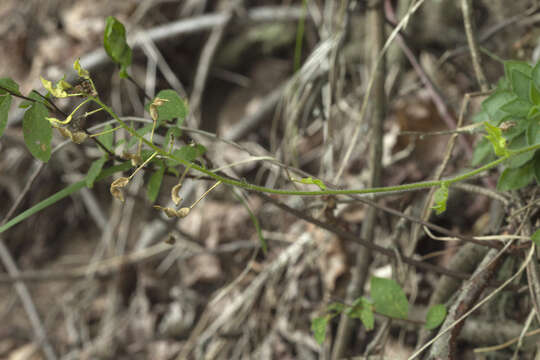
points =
(65, 132)
(153, 107)
(116, 186)
(183, 212)
(78, 137)
(175, 193)
(168, 211)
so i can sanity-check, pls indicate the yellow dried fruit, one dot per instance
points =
(183, 212)
(78, 137)
(175, 193)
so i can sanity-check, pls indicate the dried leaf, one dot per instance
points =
(175, 193)
(116, 186)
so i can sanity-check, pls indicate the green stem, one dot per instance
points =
(61, 194)
(252, 187)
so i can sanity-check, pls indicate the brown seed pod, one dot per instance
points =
(116, 186)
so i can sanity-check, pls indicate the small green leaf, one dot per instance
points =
(497, 140)
(535, 75)
(482, 152)
(536, 165)
(513, 179)
(174, 108)
(521, 84)
(536, 237)
(517, 107)
(309, 180)
(107, 139)
(80, 70)
(142, 131)
(389, 298)
(362, 309)
(5, 103)
(534, 94)
(37, 132)
(9, 84)
(114, 41)
(58, 90)
(435, 316)
(533, 132)
(335, 308)
(318, 326)
(518, 143)
(189, 152)
(154, 184)
(515, 65)
(440, 197)
(492, 105)
(94, 171)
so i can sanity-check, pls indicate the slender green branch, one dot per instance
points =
(252, 187)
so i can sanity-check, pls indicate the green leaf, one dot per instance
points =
(482, 152)
(435, 316)
(533, 132)
(517, 107)
(5, 103)
(335, 308)
(480, 117)
(154, 184)
(189, 152)
(318, 326)
(94, 171)
(518, 143)
(513, 179)
(492, 105)
(142, 131)
(440, 197)
(9, 84)
(536, 165)
(37, 132)
(497, 140)
(536, 237)
(174, 108)
(309, 180)
(535, 75)
(515, 65)
(58, 90)
(389, 298)
(107, 139)
(521, 84)
(114, 41)
(82, 72)
(534, 94)
(362, 309)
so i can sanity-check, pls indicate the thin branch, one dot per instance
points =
(466, 7)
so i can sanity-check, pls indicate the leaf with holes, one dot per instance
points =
(37, 132)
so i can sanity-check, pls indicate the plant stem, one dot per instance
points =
(253, 187)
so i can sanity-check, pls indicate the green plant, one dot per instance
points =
(510, 117)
